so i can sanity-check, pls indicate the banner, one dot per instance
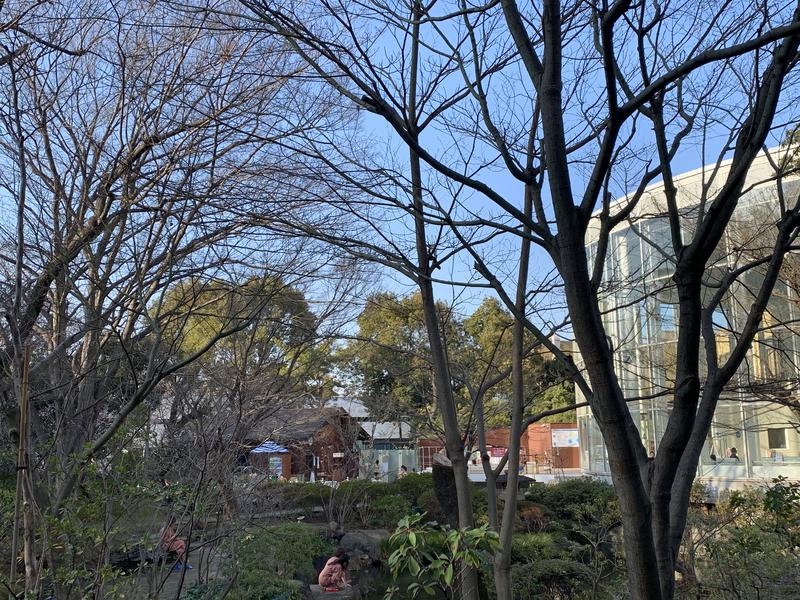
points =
(565, 438)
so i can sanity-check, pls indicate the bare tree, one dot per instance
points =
(558, 97)
(125, 161)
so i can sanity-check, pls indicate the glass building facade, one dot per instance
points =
(751, 438)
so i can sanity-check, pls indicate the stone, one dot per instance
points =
(360, 561)
(354, 541)
(366, 542)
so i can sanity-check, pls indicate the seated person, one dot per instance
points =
(170, 542)
(333, 577)
(733, 454)
(775, 456)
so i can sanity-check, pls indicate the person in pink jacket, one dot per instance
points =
(333, 576)
(170, 542)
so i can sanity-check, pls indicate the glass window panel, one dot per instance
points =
(633, 253)
(776, 438)
(727, 432)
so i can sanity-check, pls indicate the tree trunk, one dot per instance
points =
(687, 469)
(443, 382)
(502, 560)
(628, 459)
(24, 474)
(679, 427)
(441, 370)
(488, 471)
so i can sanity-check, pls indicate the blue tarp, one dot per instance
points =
(269, 447)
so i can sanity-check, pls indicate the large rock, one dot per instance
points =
(351, 593)
(360, 561)
(364, 542)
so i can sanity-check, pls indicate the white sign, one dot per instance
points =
(565, 438)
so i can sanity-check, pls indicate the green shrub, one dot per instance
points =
(564, 497)
(252, 588)
(299, 495)
(247, 587)
(204, 591)
(747, 547)
(432, 554)
(7, 498)
(549, 578)
(429, 504)
(388, 510)
(269, 563)
(362, 489)
(480, 502)
(8, 469)
(279, 552)
(8, 485)
(529, 547)
(412, 486)
(533, 517)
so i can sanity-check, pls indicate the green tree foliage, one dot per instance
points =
(568, 546)
(432, 554)
(389, 365)
(274, 352)
(747, 547)
(389, 357)
(275, 319)
(267, 563)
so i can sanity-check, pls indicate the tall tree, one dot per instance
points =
(124, 163)
(576, 103)
(391, 370)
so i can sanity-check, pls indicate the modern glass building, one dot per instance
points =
(752, 438)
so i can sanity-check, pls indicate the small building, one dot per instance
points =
(309, 444)
(391, 446)
(388, 445)
(272, 459)
(426, 449)
(543, 447)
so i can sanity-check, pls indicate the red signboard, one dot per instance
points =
(497, 452)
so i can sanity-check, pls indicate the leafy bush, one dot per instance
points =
(429, 504)
(7, 498)
(269, 563)
(388, 510)
(533, 517)
(480, 502)
(247, 587)
(578, 556)
(748, 547)
(564, 498)
(204, 591)
(432, 553)
(255, 588)
(352, 501)
(279, 552)
(8, 485)
(299, 495)
(549, 578)
(529, 547)
(8, 468)
(412, 486)
(363, 489)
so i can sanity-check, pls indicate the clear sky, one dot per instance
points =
(509, 102)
